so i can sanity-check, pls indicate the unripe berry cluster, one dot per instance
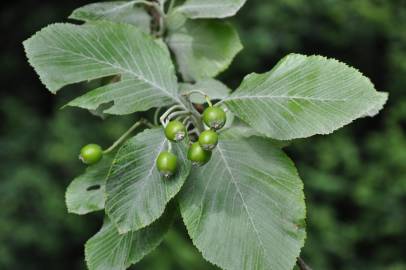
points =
(199, 152)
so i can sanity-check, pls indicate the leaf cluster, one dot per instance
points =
(245, 209)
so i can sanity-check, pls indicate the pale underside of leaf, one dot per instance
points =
(108, 250)
(240, 130)
(214, 89)
(129, 95)
(211, 8)
(64, 54)
(303, 96)
(245, 209)
(204, 48)
(118, 11)
(86, 192)
(137, 193)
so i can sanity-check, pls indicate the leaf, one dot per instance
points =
(86, 193)
(109, 250)
(211, 8)
(204, 48)
(215, 89)
(119, 11)
(64, 54)
(303, 96)
(136, 192)
(245, 209)
(239, 130)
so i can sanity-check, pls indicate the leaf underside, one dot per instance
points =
(215, 89)
(204, 48)
(303, 96)
(64, 54)
(109, 250)
(86, 192)
(118, 11)
(245, 209)
(211, 8)
(137, 194)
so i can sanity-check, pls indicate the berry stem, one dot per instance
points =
(176, 114)
(127, 133)
(156, 115)
(195, 115)
(169, 146)
(195, 131)
(170, 110)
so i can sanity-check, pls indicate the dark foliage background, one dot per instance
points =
(355, 179)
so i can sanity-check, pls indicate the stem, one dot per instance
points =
(187, 94)
(156, 114)
(302, 265)
(158, 15)
(220, 102)
(171, 5)
(162, 26)
(176, 114)
(125, 135)
(194, 114)
(188, 124)
(195, 131)
(186, 120)
(169, 146)
(171, 109)
(147, 3)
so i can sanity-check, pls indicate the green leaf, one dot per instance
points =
(245, 209)
(86, 193)
(109, 250)
(303, 96)
(240, 130)
(64, 54)
(215, 89)
(119, 11)
(204, 48)
(136, 192)
(211, 8)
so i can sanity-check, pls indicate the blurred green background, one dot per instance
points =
(355, 179)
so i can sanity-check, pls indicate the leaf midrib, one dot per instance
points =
(125, 70)
(203, 6)
(284, 97)
(234, 181)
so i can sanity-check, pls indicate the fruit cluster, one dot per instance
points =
(199, 152)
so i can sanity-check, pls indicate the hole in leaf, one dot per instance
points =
(94, 187)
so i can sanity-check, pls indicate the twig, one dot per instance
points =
(127, 133)
(302, 265)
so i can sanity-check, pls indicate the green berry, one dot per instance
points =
(208, 140)
(198, 155)
(167, 163)
(175, 131)
(91, 154)
(214, 117)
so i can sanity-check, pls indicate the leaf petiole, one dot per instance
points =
(208, 99)
(171, 6)
(127, 133)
